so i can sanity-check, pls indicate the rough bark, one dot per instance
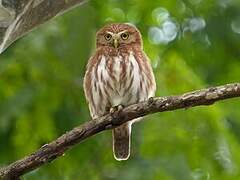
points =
(57, 147)
(17, 17)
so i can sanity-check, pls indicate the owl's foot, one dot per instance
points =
(115, 111)
(150, 100)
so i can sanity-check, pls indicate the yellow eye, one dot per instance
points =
(124, 36)
(108, 37)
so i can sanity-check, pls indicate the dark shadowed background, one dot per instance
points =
(191, 43)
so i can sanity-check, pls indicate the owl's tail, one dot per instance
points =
(121, 142)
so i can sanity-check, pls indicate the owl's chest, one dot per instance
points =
(120, 70)
(112, 69)
(119, 73)
(117, 68)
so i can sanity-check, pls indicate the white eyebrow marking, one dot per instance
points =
(122, 32)
(110, 32)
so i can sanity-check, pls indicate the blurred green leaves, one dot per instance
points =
(41, 93)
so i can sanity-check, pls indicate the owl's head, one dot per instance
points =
(118, 35)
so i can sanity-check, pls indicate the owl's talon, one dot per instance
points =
(150, 100)
(113, 110)
(116, 109)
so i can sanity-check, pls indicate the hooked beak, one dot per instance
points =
(115, 42)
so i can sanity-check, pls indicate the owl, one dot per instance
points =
(118, 74)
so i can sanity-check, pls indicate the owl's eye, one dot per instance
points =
(124, 36)
(108, 37)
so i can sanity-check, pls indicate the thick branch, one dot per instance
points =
(17, 17)
(57, 147)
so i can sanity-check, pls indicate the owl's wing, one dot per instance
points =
(87, 85)
(94, 87)
(147, 71)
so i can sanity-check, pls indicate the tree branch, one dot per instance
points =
(17, 17)
(57, 147)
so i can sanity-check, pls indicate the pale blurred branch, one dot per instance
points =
(57, 147)
(17, 17)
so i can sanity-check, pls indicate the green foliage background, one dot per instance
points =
(41, 93)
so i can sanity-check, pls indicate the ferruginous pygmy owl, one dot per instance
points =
(118, 73)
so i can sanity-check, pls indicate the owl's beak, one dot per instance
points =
(115, 42)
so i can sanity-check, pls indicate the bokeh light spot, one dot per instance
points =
(164, 34)
(235, 25)
(160, 15)
(196, 24)
(155, 35)
(170, 30)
